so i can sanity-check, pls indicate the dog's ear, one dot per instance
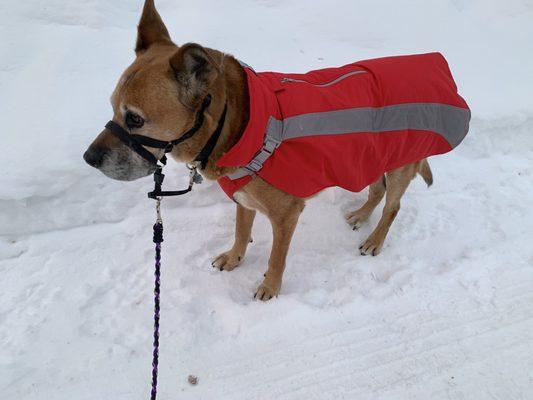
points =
(151, 28)
(195, 71)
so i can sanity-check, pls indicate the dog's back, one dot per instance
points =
(347, 126)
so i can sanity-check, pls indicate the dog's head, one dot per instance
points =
(157, 96)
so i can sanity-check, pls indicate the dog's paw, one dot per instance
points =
(265, 292)
(370, 246)
(355, 219)
(227, 261)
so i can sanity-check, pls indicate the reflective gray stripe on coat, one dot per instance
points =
(448, 121)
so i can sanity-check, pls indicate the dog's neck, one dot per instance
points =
(231, 88)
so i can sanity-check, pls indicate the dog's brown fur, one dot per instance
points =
(165, 85)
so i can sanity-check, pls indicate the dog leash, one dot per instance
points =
(158, 239)
(157, 194)
(136, 143)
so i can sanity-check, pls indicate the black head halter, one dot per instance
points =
(137, 143)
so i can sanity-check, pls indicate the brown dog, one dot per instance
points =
(159, 95)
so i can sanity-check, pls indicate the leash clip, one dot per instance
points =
(158, 210)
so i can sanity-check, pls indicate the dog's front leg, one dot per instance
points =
(243, 229)
(283, 225)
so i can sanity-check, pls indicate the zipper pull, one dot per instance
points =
(285, 80)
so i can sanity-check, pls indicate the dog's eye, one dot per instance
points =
(133, 120)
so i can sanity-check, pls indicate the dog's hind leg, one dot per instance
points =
(375, 194)
(425, 172)
(243, 229)
(397, 182)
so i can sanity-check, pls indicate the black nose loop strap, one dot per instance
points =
(136, 142)
(131, 141)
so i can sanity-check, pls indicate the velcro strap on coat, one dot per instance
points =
(273, 138)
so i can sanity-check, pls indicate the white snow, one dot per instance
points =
(445, 312)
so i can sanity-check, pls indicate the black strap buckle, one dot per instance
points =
(159, 177)
(157, 193)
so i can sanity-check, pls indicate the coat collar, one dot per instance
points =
(262, 90)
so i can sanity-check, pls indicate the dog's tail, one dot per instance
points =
(425, 172)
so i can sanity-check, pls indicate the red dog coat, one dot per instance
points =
(346, 126)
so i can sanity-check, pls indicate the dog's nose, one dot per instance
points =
(94, 156)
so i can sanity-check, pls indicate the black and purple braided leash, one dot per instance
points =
(158, 239)
(157, 194)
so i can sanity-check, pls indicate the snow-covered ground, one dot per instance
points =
(445, 312)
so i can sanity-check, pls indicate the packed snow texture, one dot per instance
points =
(445, 312)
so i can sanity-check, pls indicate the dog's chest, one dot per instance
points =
(246, 200)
